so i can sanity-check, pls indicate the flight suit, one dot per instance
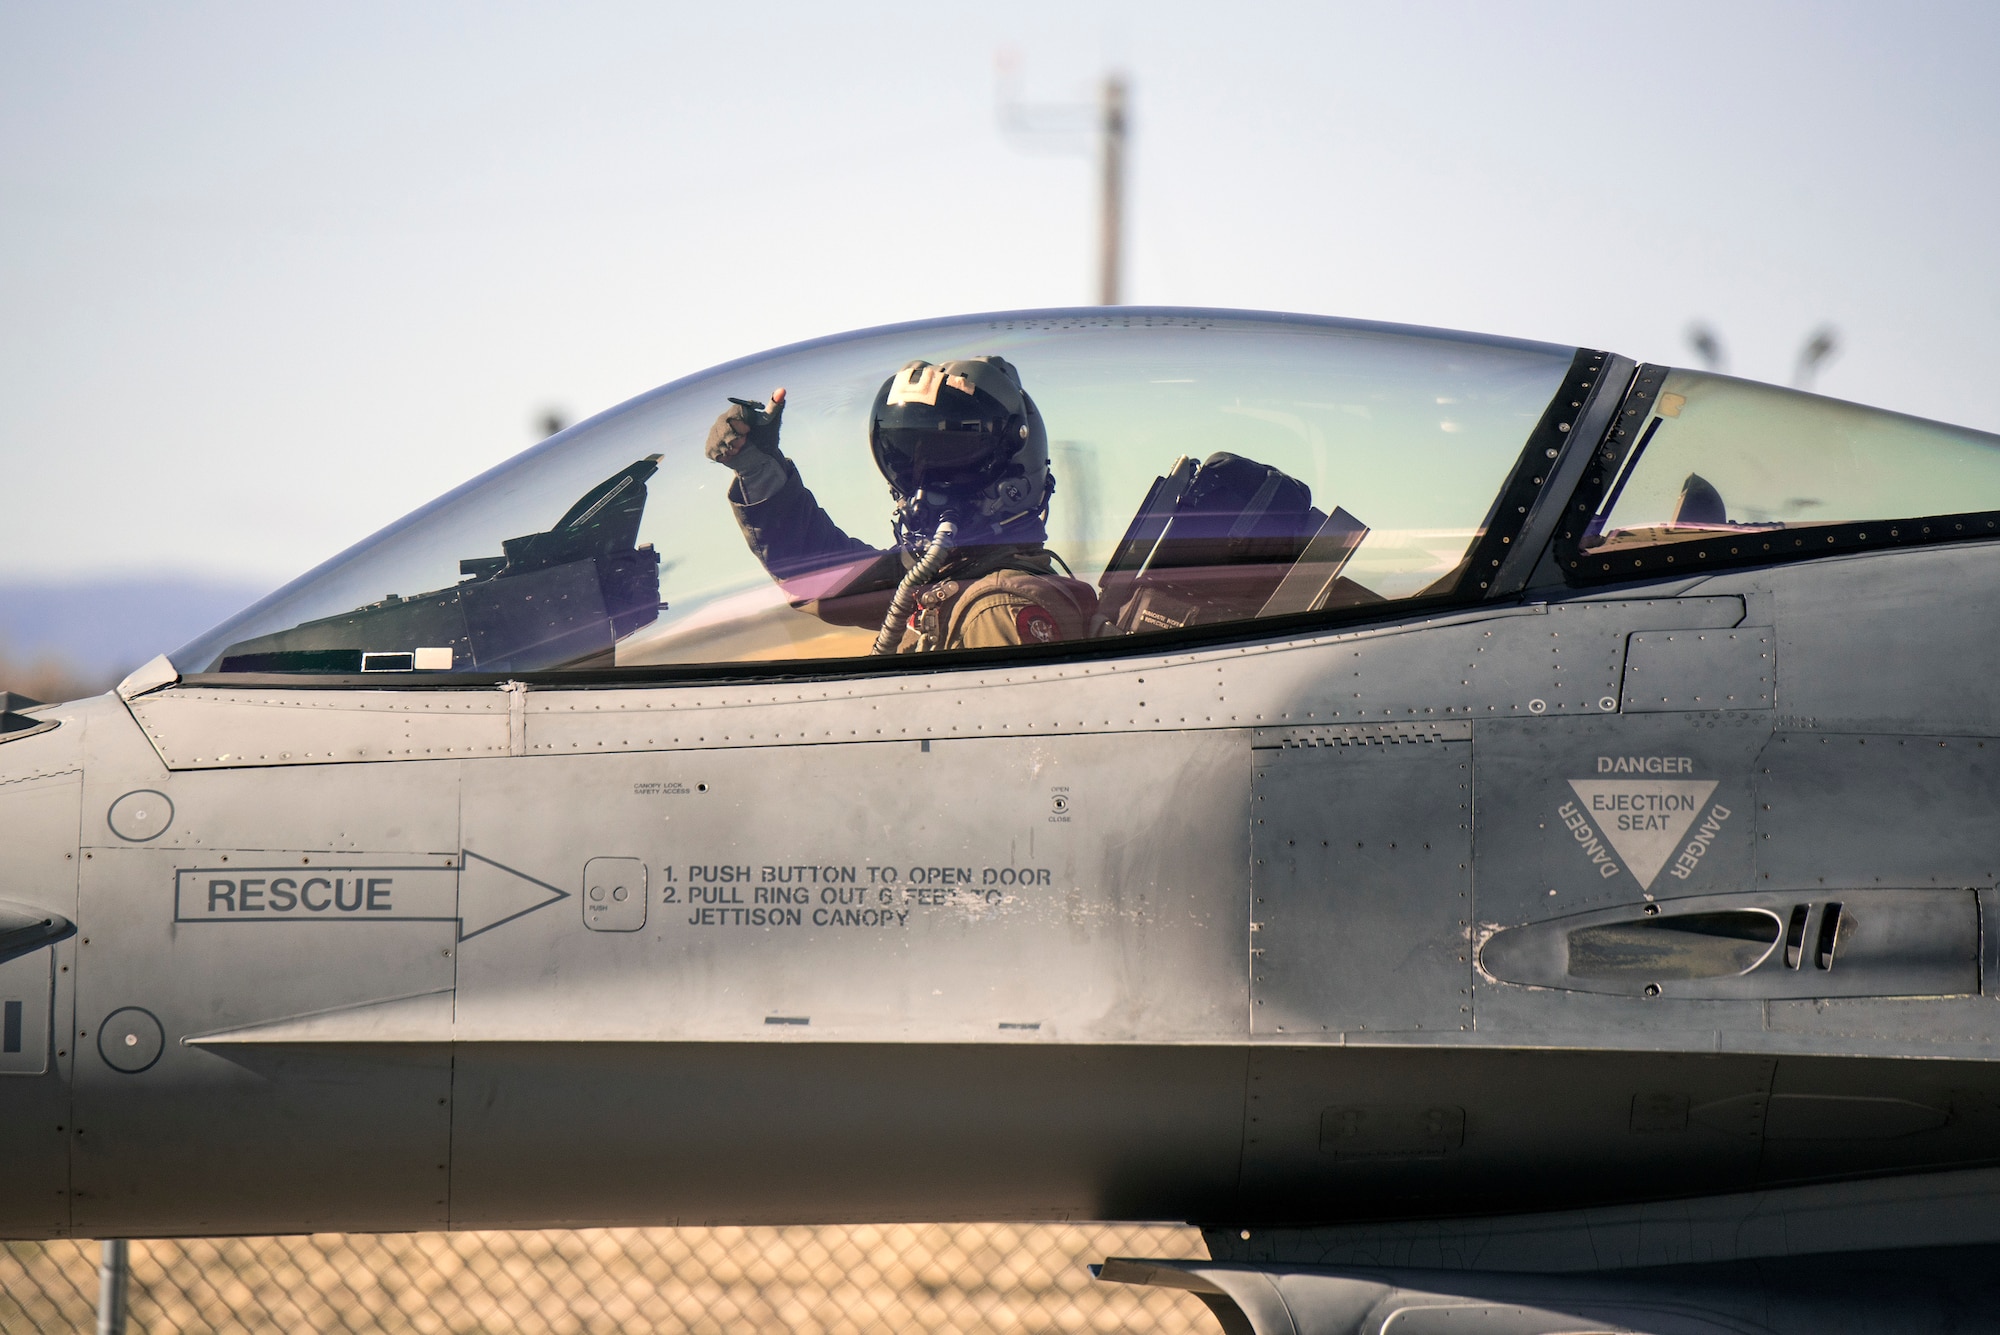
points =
(1023, 602)
(988, 596)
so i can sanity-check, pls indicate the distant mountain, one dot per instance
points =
(76, 636)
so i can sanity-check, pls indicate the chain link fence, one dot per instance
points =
(970, 1278)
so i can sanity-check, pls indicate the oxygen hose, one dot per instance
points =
(920, 574)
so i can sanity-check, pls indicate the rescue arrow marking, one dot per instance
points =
(489, 899)
(1643, 818)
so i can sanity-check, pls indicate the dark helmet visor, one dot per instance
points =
(915, 458)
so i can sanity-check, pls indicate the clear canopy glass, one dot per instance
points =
(1720, 455)
(1374, 452)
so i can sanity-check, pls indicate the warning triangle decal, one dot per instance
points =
(1643, 818)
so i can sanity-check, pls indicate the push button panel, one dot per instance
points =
(614, 894)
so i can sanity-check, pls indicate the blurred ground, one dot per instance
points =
(63, 639)
(951, 1278)
(48, 677)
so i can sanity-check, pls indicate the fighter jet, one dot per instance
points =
(1500, 836)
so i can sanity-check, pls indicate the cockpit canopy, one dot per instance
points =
(1708, 456)
(1209, 470)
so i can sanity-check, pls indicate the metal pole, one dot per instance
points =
(1822, 344)
(1111, 216)
(112, 1274)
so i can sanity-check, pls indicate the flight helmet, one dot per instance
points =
(962, 438)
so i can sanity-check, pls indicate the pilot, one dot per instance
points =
(966, 457)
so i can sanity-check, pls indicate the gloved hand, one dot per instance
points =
(746, 439)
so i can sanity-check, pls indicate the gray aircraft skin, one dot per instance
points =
(1596, 936)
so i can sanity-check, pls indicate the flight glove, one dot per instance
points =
(746, 439)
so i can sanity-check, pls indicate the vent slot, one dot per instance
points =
(1795, 937)
(1830, 923)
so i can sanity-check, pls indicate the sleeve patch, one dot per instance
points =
(1036, 626)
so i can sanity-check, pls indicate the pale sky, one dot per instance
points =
(272, 275)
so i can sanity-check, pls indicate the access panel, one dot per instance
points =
(1361, 848)
(199, 1104)
(998, 977)
(38, 817)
